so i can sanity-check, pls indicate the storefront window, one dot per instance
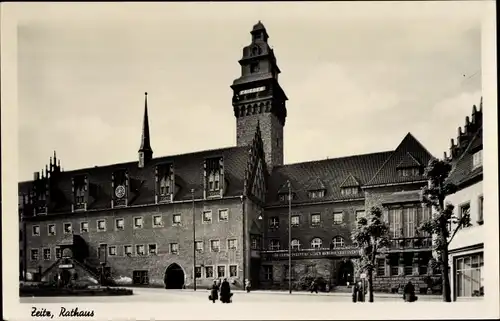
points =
(469, 275)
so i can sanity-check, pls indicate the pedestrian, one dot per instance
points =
(247, 285)
(214, 292)
(361, 295)
(225, 292)
(409, 293)
(355, 293)
(314, 286)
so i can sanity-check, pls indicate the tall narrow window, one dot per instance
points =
(214, 176)
(480, 210)
(165, 182)
(477, 159)
(410, 218)
(395, 222)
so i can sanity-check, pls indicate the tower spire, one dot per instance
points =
(145, 151)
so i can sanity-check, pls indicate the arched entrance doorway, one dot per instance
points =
(346, 273)
(174, 277)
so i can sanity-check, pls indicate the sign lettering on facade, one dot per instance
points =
(66, 266)
(253, 90)
(317, 253)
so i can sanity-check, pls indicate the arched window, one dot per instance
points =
(295, 244)
(316, 243)
(338, 241)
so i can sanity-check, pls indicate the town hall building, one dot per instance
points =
(179, 220)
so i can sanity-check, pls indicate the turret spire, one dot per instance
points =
(145, 151)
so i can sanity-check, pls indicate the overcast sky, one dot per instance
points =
(358, 77)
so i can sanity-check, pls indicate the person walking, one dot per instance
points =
(314, 286)
(225, 292)
(355, 293)
(214, 292)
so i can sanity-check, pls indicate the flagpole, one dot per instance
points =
(289, 238)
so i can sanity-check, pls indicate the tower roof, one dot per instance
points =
(145, 138)
(258, 26)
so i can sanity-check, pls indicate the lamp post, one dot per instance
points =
(289, 238)
(194, 240)
(242, 198)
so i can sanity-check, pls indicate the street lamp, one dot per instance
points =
(289, 237)
(242, 198)
(194, 240)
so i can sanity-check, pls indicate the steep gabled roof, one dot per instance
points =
(332, 172)
(388, 171)
(462, 170)
(188, 170)
(316, 184)
(350, 181)
(408, 161)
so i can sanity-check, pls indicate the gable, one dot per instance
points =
(350, 181)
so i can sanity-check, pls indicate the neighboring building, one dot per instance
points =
(133, 222)
(466, 249)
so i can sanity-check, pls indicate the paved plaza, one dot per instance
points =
(156, 295)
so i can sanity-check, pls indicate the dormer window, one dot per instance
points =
(283, 197)
(350, 191)
(214, 177)
(165, 182)
(316, 194)
(409, 171)
(120, 188)
(79, 193)
(477, 159)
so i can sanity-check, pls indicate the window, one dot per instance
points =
(174, 248)
(46, 254)
(140, 277)
(316, 243)
(395, 222)
(295, 244)
(112, 251)
(127, 249)
(316, 194)
(223, 215)
(338, 218)
(464, 210)
(84, 227)
(52, 229)
(101, 225)
(214, 245)
(207, 217)
(67, 228)
(214, 181)
(274, 222)
(338, 241)
(408, 172)
(199, 246)
(34, 255)
(295, 220)
(165, 185)
(268, 272)
(157, 221)
(477, 159)
(410, 216)
(36, 230)
(315, 219)
(233, 271)
(360, 214)
(221, 271)
(380, 267)
(197, 272)
(58, 253)
(274, 245)
(119, 224)
(254, 67)
(176, 219)
(137, 222)
(79, 192)
(348, 191)
(209, 272)
(139, 249)
(152, 249)
(232, 244)
(255, 242)
(480, 210)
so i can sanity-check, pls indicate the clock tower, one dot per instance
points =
(258, 98)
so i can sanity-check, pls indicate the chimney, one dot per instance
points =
(36, 176)
(445, 156)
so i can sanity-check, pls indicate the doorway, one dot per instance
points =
(346, 273)
(174, 277)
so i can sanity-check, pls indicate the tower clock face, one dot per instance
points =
(120, 191)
